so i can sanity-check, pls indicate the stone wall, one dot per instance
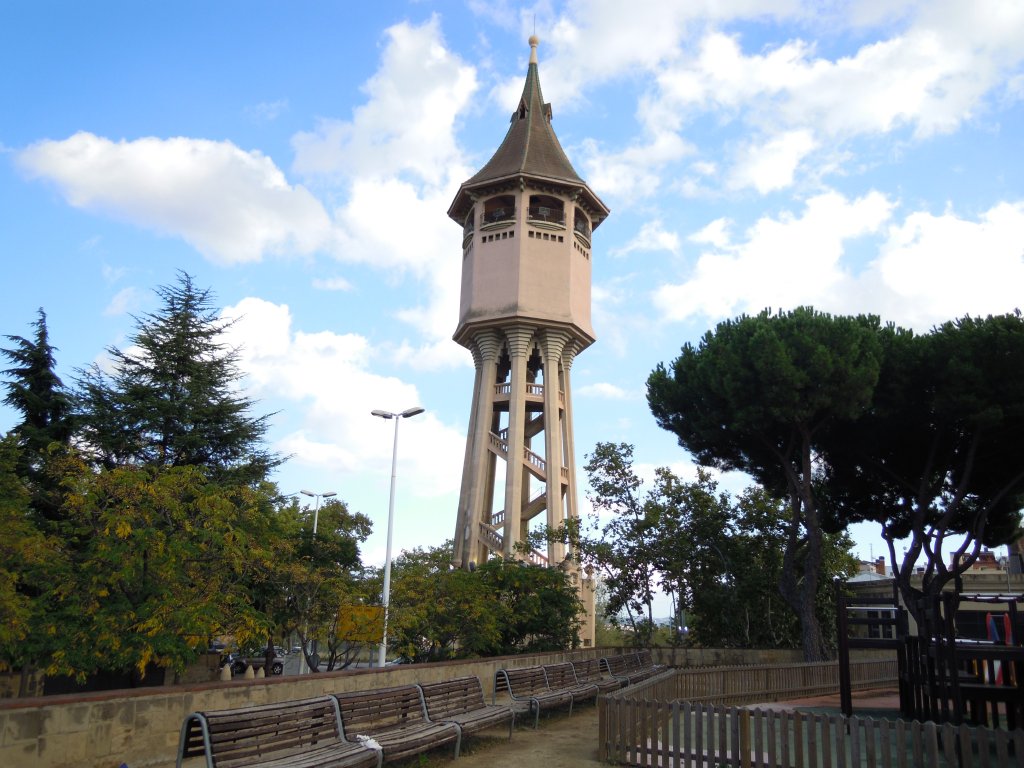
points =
(141, 727)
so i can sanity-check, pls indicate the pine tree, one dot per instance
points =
(171, 399)
(37, 393)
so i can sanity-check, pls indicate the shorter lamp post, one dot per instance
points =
(316, 509)
(303, 668)
(391, 522)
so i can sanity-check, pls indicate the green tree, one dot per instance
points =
(36, 392)
(172, 397)
(311, 577)
(502, 607)
(27, 556)
(622, 551)
(754, 395)
(939, 454)
(154, 561)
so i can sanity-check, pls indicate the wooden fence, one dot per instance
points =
(681, 718)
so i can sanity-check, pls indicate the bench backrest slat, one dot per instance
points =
(236, 736)
(588, 669)
(560, 675)
(525, 681)
(453, 697)
(616, 665)
(381, 709)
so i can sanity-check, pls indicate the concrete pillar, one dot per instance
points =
(568, 356)
(488, 344)
(552, 345)
(519, 338)
(463, 515)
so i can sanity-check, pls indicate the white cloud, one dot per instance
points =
(231, 205)
(931, 70)
(783, 262)
(267, 111)
(651, 238)
(330, 379)
(771, 165)
(716, 233)
(935, 268)
(408, 123)
(930, 268)
(634, 172)
(604, 390)
(125, 301)
(332, 284)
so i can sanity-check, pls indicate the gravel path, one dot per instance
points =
(560, 741)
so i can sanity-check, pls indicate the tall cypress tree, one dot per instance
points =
(171, 398)
(38, 394)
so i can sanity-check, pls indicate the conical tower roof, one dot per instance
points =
(530, 150)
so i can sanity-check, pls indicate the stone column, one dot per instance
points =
(488, 346)
(568, 355)
(463, 517)
(552, 344)
(519, 338)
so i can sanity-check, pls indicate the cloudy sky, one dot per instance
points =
(299, 158)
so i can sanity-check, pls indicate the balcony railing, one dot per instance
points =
(496, 215)
(546, 214)
(582, 226)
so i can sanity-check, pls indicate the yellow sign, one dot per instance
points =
(361, 623)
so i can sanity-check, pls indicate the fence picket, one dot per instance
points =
(652, 724)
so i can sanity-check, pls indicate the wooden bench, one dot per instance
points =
(461, 701)
(527, 687)
(644, 661)
(623, 668)
(589, 671)
(396, 719)
(300, 734)
(562, 677)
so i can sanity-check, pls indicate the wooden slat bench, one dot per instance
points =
(528, 689)
(396, 719)
(461, 701)
(644, 661)
(622, 668)
(562, 677)
(299, 734)
(589, 671)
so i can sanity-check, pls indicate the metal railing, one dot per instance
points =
(496, 215)
(546, 214)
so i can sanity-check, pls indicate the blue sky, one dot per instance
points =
(299, 158)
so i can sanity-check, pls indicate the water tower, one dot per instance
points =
(528, 220)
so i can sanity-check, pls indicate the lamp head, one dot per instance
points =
(412, 412)
(383, 414)
(328, 494)
(307, 493)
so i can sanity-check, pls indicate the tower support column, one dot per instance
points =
(479, 465)
(519, 338)
(551, 350)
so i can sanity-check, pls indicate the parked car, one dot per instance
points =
(239, 662)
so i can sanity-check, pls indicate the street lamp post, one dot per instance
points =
(316, 509)
(391, 522)
(303, 667)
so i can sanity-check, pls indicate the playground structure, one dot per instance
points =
(944, 677)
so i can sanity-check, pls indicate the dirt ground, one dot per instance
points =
(560, 741)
